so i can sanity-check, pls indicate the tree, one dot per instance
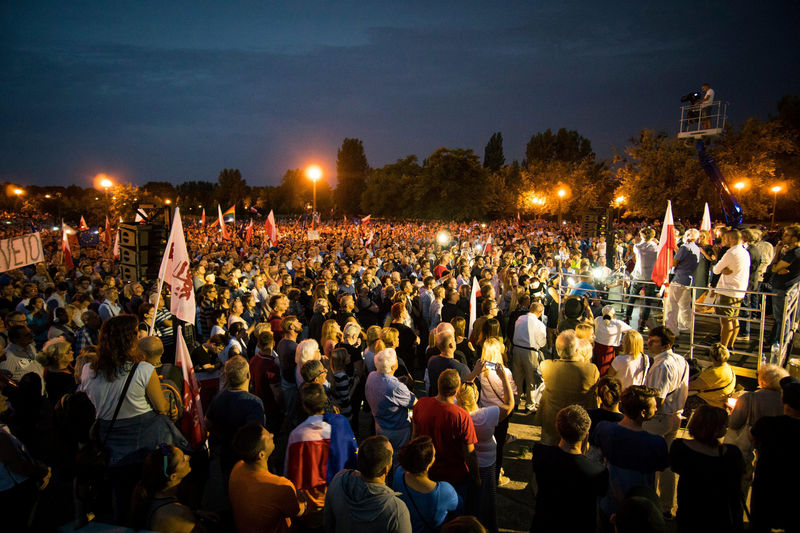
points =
(566, 145)
(162, 189)
(232, 188)
(452, 186)
(660, 168)
(196, 195)
(388, 191)
(352, 170)
(493, 157)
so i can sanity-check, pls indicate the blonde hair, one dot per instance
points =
(583, 350)
(467, 396)
(330, 331)
(390, 337)
(374, 336)
(585, 331)
(493, 349)
(632, 343)
(54, 350)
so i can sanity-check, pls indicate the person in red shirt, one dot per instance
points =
(450, 427)
(265, 375)
(262, 502)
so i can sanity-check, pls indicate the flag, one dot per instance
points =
(83, 226)
(107, 233)
(192, 423)
(271, 229)
(231, 211)
(221, 223)
(203, 218)
(473, 304)
(706, 224)
(519, 220)
(254, 210)
(365, 220)
(487, 250)
(116, 246)
(176, 273)
(65, 249)
(248, 236)
(666, 248)
(369, 241)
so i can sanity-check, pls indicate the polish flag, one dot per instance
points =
(176, 273)
(706, 224)
(65, 249)
(366, 219)
(271, 229)
(83, 226)
(107, 233)
(221, 223)
(487, 250)
(369, 241)
(192, 423)
(248, 236)
(666, 248)
(473, 304)
(203, 218)
(116, 246)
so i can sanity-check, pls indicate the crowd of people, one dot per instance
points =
(383, 362)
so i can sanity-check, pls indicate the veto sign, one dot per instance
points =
(20, 251)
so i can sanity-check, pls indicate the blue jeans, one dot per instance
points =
(778, 303)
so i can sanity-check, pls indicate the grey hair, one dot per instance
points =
(307, 350)
(567, 344)
(691, 235)
(770, 376)
(385, 360)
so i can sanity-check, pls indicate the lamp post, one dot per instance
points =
(619, 200)
(561, 194)
(314, 173)
(775, 190)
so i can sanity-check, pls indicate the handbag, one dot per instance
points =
(91, 461)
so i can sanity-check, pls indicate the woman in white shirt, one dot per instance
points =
(632, 365)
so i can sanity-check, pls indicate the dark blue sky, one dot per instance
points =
(176, 91)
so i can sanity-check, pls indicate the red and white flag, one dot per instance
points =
(666, 248)
(473, 304)
(203, 218)
(175, 271)
(271, 229)
(706, 224)
(193, 422)
(116, 246)
(366, 219)
(487, 250)
(107, 234)
(83, 226)
(65, 249)
(221, 223)
(369, 241)
(248, 236)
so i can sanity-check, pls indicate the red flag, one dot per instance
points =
(221, 223)
(519, 220)
(107, 233)
(271, 229)
(116, 246)
(83, 226)
(175, 271)
(203, 218)
(487, 250)
(366, 219)
(192, 423)
(369, 241)
(248, 236)
(666, 248)
(65, 249)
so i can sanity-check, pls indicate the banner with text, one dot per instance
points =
(20, 251)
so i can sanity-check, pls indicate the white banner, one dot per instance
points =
(20, 251)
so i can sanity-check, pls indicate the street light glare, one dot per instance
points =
(314, 173)
(18, 191)
(739, 185)
(620, 199)
(562, 193)
(106, 183)
(776, 189)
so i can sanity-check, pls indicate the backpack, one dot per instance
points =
(173, 396)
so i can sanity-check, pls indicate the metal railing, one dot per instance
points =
(699, 119)
(754, 315)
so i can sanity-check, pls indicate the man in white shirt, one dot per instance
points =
(530, 336)
(735, 269)
(669, 375)
(646, 251)
(705, 105)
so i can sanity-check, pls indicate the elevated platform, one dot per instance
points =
(699, 121)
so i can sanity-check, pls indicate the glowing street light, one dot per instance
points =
(775, 190)
(167, 201)
(314, 173)
(562, 192)
(106, 183)
(18, 191)
(739, 185)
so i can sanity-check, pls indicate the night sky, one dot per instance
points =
(176, 91)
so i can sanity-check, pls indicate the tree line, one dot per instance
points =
(453, 183)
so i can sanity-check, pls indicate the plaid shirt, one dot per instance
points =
(83, 338)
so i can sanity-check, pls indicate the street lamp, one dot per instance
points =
(314, 173)
(619, 200)
(775, 190)
(562, 192)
